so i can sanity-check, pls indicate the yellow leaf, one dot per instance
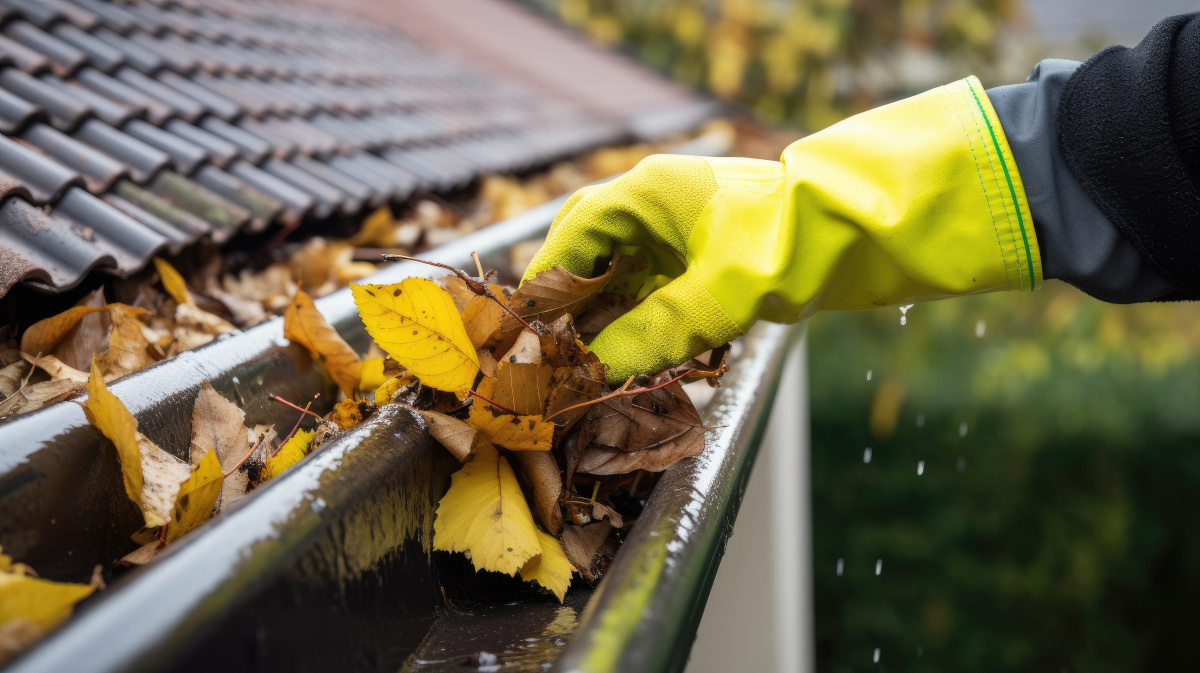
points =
(172, 282)
(290, 453)
(522, 387)
(152, 476)
(372, 374)
(378, 230)
(485, 513)
(482, 318)
(519, 433)
(45, 603)
(128, 350)
(347, 414)
(43, 335)
(197, 496)
(551, 568)
(416, 322)
(304, 324)
(383, 394)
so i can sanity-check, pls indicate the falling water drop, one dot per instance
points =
(962, 463)
(980, 329)
(920, 467)
(878, 567)
(867, 455)
(875, 658)
(868, 374)
(904, 314)
(840, 567)
(920, 420)
(962, 429)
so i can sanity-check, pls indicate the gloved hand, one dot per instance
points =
(912, 201)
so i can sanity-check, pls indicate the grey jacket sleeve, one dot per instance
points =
(1078, 243)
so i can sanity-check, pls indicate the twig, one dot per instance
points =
(478, 265)
(245, 457)
(162, 534)
(473, 285)
(501, 407)
(304, 410)
(621, 392)
(293, 432)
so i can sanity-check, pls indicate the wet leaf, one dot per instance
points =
(571, 386)
(485, 514)
(581, 543)
(81, 343)
(152, 476)
(197, 496)
(551, 569)
(304, 324)
(522, 387)
(458, 437)
(608, 307)
(602, 460)
(416, 322)
(541, 474)
(556, 292)
(173, 282)
(292, 452)
(644, 421)
(519, 433)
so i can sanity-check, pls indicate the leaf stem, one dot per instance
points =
(478, 264)
(304, 410)
(293, 432)
(473, 285)
(621, 392)
(247, 456)
(501, 407)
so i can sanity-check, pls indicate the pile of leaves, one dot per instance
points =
(504, 382)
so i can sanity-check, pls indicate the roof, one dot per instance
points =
(134, 129)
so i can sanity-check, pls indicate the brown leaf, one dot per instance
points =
(217, 425)
(195, 327)
(526, 349)
(541, 473)
(35, 396)
(561, 346)
(519, 433)
(458, 437)
(602, 460)
(571, 386)
(522, 387)
(644, 421)
(482, 317)
(13, 376)
(87, 338)
(56, 369)
(304, 324)
(581, 544)
(487, 363)
(44, 335)
(142, 555)
(600, 511)
(608, 307)
(556, 292)
(128, 350)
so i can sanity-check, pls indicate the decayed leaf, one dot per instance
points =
(551, 569)
(173, 282)
(581, 542)
(44, 335)
(608, 307)
(601, 460)
(31, 606)
(571, 386)
(197, 496)
(349, 413)
(458, 437)
(522, 387)
(290, 453)
(519, 433)
(128, 350)
(12, 377)
(372, 375)
(541, 474)
(485, 514)
(482, 318)
(304, 324)
(416, 322)
(555, 292)
(644, 421)
(152, 476)
(601, 511)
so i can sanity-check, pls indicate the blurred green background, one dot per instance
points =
(1034, 464)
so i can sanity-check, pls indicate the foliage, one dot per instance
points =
(1051, 527)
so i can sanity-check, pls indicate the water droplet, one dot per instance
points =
(840, 567)
(878, 567)
(920, 420)
(70, 551)
(51, 522)
(962, 429)
(962, 463)
(875, 658)
(867, 455)
(920, 467)
(904, 314)
(980, 329)
(318, 505)
(868, 374)
(236, 381)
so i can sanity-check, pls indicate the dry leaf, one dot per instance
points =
(581, 543)
(519, 433)
(542, 475)
(571, 386)
(57, 370)
(217, 425)
(12, 377)
(551, 569)
(562, 348)
(522, 387)
(644, 421)
(487, 363)
(197, 496)
(485, 514)
(292, 451)
(44, 335)
(458, 437)
(173, 282)
(608, 307)
(416, 322)
(128, 350)
(142, 555)
(378, 230)
(195, 327)
(556, 292)
(152, 476)
(245, 313)
(527, 349)
(601, 511)
(35, 396)
(304, 324)
(87, 338)
(481, 318)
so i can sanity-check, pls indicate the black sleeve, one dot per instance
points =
(1078, 243)
(1129, 128)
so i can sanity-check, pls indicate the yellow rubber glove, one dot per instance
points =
(909, 202)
